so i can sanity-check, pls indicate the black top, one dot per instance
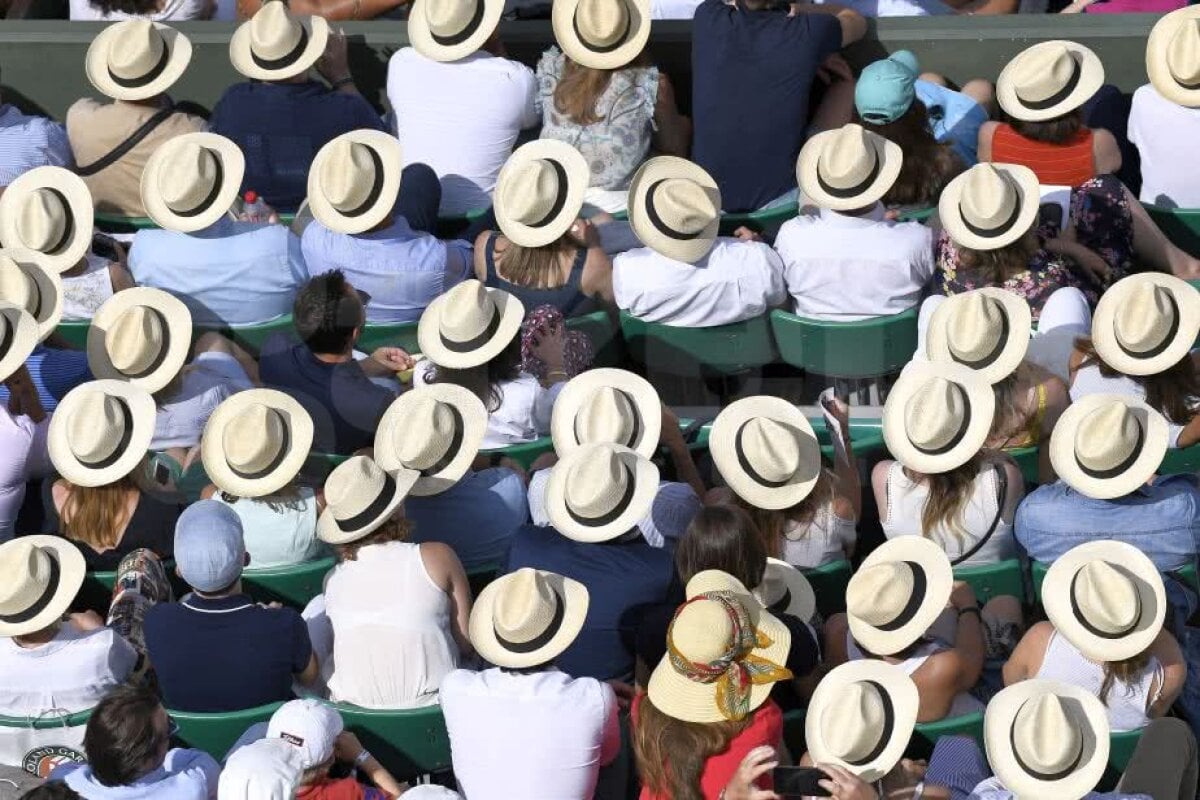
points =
(152, 527)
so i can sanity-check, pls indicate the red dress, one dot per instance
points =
(766, 728)
(1070, 164)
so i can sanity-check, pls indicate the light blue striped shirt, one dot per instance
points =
(27, 142)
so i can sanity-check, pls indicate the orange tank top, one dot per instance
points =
(1067, 164)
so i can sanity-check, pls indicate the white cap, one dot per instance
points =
(309, 725)
(268, 769)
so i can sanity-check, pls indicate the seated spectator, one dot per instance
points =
(29, 142)
(768, 455)
(548, 256)
(156, 10)
(321, 372)
(98, 440)
(48, 210)
(280, 117)
(269, 769)
(931, 122)
(520, 624)
(53, 374)
(228, 272)
(700, 713)
(1106, 603)
(391, 649)
(685, 275)
(217, 650)
(850, 241)
(470, 337)
(602, 95)
(50, 661)
(381, 236)
(254, 446)
(1142, 333)
(457, 61)
(134, 63)
(595, 497)
(1043, 91)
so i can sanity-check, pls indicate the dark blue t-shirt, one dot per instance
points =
(281, 126)
(225, 655)
(751, 76)
(624, 579)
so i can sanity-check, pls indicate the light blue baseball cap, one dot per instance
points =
(209, 550)
(886, 89)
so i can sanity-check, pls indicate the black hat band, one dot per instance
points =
(142, 80)
(42, 602)
(286, 60)
(542, 639)
(369, 514)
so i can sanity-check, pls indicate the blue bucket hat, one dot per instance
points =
(886, 89)
(209, 549)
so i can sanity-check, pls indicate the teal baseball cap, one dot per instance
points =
(886, 89)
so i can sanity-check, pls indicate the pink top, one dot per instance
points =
(1135, 6)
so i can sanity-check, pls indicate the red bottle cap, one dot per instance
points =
(250, 196)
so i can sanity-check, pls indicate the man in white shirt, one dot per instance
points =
(458, 103)
(524, 729)
(848, 262)
(686, 276)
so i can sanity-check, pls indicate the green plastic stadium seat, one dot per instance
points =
(966, 725)
(991, 580)
(526, 452)
(74, 332)
(918, 214)
(1121, 745)
(606, 339)
(1027, 460)
(408, 743)
(865, 436)
(293, 585)
(119, 223)
(1181, 226)
(1187, 574)
(375, 335)
(47, 721)
(216, 733)
(794, 738)
(758, 221)
(1180, 461)
(853, 350)
(699, 352)
(829, 583)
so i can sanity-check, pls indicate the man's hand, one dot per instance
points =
(962, 596)
(389, 361)
(548, 346)
(757, 763)
(744, 234)
(334, 64)
(844, 784)
(834, 69)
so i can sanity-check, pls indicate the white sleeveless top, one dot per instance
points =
(391, 629)
(821, 541)
(906, 500)
(964, 703)
(1089, 380)
(1127, 703)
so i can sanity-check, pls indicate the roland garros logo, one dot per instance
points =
(41, 761)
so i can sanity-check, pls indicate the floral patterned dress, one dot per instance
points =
(1103, 223)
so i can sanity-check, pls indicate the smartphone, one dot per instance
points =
(1050, 214)
(796, 782)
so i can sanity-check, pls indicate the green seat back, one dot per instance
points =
(1121, 745)
(251, 337)
(454, 227)
(866, 349)
(47, 721)
(606, 339)
(216, 733)
(918, 214)
(794, 737)
(1181, 226)
(965, 725)
(758, 221)
(1027, 460)
(401, 334)
(408, 743)
(992, 580)
(1180, 461)
(525, 453)
(119, 223)
(75, 332)
(829, 583)
(292, 585)
(699, 352)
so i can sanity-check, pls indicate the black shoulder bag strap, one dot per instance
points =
(1001, 498)
(135, 138)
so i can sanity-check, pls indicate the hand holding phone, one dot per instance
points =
(792, 783)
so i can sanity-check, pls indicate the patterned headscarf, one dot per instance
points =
(737, 670)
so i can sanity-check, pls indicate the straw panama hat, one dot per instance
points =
(527, 617)
(360, 496)
(101, 431)
(434, 430)
(937, 416)
(785, 590)
(675, 208)
(49, 210)
(27, 282)
(136, 59)
(1107, 598)
(607, 405)
(848, 168)
(469, 325)
(702, 632)
(39, 578)
(255, 442)
(1107, 445)
(766, 451)
(274, 44)
(1146, 323)
(1046, 739)
(191, 181)
(984, 329)
(354, 180)
(599, 492)
(539, 192)
(18, 337)
(141, 335)
(1049, 80)
(880, 607)
(1173, 56)
(861, 717)
(447, 30)
(601, 34)
(990, 205)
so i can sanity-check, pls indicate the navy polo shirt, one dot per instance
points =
(752, 72)
(623, 578)
(281, 126)
(225, 654)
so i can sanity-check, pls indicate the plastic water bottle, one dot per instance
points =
(254, 207)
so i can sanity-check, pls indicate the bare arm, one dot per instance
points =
(987, 131)
(311, 672)
(481, 254)
(347, 749)
(1190, 433)
(835, 640)
(1105, 152)
(671, 438)
(847, 485)
(673, 132)
(120, 277)
(1167, 651)
(968, 639)
(854, 25)
(1026, 658)
(447, 572)
(596, 281)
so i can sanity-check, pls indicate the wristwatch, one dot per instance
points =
(362, 758)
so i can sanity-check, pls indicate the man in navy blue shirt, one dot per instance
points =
(216, 649)
(753, 65)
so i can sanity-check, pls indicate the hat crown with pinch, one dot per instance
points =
(1106, 597)
(431, 427)
(353, 486)
(450, 17)
(42, 219)
(975, 327)
(134, 339)
(525, 607)
(684, 206)
(253, 438)
(989, 197)
(853, 721)
(601, 23)
(1107, 436)
(878, 594)
(848, 159)
(1044, 737)
(595, 485)
(1183, 53)
(934, 413)
(1042, 73)
(466, 312)
(16, 286)
(770, 448)
(274, 32)
(347, 174)
(607, 415)
(95, 427)
(531, 191)
(189, 173)
(137, 48)
(1144, 321)
(702, 631)
(29, 569)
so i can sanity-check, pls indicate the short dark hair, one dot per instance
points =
(120, 739)
(326, 314)
(1060, 130)
(52, 791)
